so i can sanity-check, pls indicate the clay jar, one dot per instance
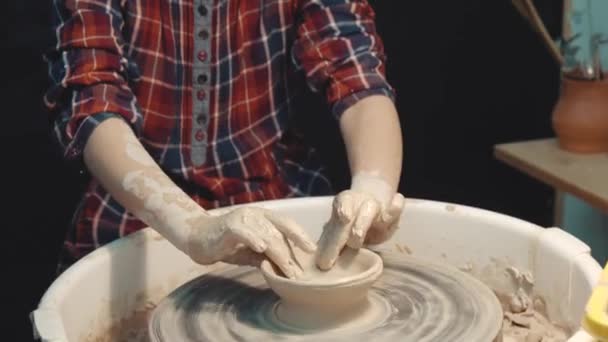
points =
(580, 117)
(321, 300)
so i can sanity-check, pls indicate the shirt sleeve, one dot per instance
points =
(88, 72)
(340, 51)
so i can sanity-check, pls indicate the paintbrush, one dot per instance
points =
(528, 11)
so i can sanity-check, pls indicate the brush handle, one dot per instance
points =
(527, 9)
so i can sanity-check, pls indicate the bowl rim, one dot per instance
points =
(371, 274)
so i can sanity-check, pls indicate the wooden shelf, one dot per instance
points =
(582, 175)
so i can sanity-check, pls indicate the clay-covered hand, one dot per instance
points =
(246, 236)
(359, 217)
(243, 236)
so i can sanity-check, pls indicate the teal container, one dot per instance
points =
(584, 41)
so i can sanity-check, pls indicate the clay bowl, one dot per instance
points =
(323, 299)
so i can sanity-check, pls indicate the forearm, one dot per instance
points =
(372, 135)
(124, 168)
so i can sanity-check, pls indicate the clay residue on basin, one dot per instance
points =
(525, 313)
(530, 323)
(133, 328)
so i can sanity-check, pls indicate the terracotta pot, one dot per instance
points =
(580, 117)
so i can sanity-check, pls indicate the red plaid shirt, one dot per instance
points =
(208, 86)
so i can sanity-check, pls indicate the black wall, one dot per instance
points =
(469, 74)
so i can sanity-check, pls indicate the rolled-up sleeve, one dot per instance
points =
(340, 51)
(88, 72)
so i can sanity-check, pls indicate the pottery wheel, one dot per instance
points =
(412, 301)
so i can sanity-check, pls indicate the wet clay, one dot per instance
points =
(351, 265)
(525, 317)
(411, 301)
(529, 323)
(323, 299)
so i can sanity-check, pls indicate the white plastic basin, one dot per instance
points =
(128, 274)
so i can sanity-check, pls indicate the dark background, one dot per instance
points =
(469, 74)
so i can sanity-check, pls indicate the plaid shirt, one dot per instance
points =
(208, 86)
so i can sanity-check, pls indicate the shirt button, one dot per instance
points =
(201, 95)
(202, 56)
(203, 34)
(202, 79)
(202, 10)
(201, 119)
(199, 135)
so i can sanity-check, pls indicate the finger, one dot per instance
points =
(248, 237)
(368, 211)
(344, 207)
(292, 230)
(395, 209)
(279, 252)
(378, 236)
(373, 236)
(391, 230)
(278, 249)
(245, 257)
(389, 222)
(332, 241)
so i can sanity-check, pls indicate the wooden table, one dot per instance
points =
(582, 175)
